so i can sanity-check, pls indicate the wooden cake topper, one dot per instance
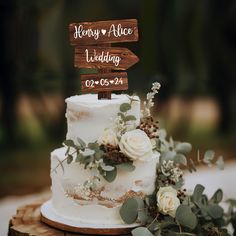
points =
(104, 57)
(92, 41)
(113, 31)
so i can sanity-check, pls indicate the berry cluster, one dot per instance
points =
(150, 127)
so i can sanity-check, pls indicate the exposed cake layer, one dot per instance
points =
(72, 200)
(87, 116)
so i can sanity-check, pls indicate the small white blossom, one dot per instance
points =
(108, 137)
(83, 191)
(156, 86)
(150, 96)
(170, 169)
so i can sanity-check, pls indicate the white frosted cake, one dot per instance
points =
(79, 191)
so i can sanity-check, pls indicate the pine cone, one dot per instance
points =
(115, 157)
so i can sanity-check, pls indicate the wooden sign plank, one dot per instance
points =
(114, 31)
(104, 82)
(104, 57)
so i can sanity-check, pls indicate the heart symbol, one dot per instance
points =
(111, 81)
(96, 82)
(103, 31)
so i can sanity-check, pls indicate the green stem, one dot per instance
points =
(60, 163)
(185, 233)
(152, 222)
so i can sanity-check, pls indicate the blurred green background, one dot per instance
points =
(187, 45)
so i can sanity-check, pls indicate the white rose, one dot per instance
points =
(136, 145)
(108, 137)
(167, 201)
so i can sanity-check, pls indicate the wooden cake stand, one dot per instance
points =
(28, 221)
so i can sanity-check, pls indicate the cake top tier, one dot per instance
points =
(92, 101)
(87, 117)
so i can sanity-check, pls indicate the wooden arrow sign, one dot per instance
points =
(104, 57)
(88, 33)
(104, 82)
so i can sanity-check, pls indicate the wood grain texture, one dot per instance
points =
(91, 83)
(115, 58)
(27, 222)
(86, 231)
(102, 29)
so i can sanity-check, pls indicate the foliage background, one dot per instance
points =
(187, 45)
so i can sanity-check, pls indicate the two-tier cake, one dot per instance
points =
(91, 120)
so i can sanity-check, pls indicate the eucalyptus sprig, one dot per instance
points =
(93, 156)
(176, 151)
(123, 121)
(199, 215)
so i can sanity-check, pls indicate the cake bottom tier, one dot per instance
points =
(72, 200)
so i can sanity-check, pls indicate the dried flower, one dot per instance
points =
(148, 104)
(170, 169)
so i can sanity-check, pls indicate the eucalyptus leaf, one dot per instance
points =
(192, 166)
(231, 201)
(215, 211)
(171, 142)
(142, 211)
(166, 156)
(79, 157)
(129, 211)
(121, 115)
(98, 154)
(69, 143)
(110, 175)
(208, 157)
(93, 146)
(180, 159)
(183, 147)
(129, 118)
(186, 217)
(162, 134)
(197, 193)
(204, 200)
(141, 231)
(143, 215)
(128, 166)
(67, 151)
(140, 202)
(217, 196)
(220, 163)
(81, 143)
(69, 159)
(125, 107)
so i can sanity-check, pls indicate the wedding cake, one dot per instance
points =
(105, 160)
(116, 172)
